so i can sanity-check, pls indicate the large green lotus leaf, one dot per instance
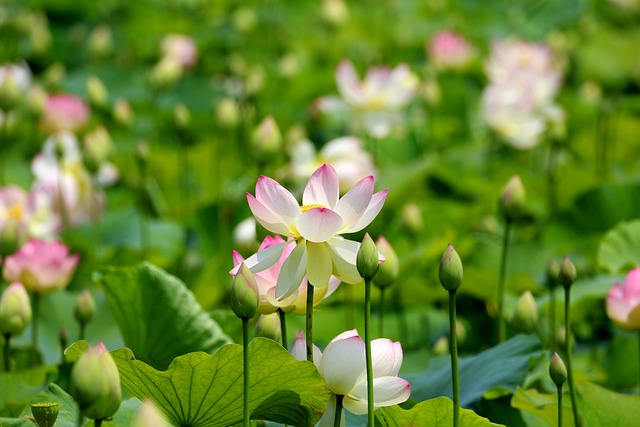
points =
(503, 366)
(17, 388)
(619, 249)
(199, 389)
(543, 406)
(434, 412)
(158, 316)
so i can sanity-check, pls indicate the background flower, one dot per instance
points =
(623, 301)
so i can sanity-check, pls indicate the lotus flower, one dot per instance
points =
(623, 302)
(343, 368)
(315, 227)
(64, 112)
(180, 48)
(449, 50)
(26, 215)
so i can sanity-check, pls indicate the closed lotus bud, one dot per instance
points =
(165, 73)
(244, 293)
(367, 260)
(10, 92)
(269, 327)
(36, 100)
(85, 307)
(97, 92)
(451, 270)
(441, 347)
(412, 217)
(97, 147)
(122, 113)
(335, 11)
(15, 310)
(101, 41)
(513, 199)
(45, 414)
(54, 75)
(181, 116)
(388, 270)
(525, 315)
(266, 139)
(567, 274)
(227, 113)
(95, 383)
(244, 19)
(553, 269)
(557, 370)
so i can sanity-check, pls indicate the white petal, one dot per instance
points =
(263, 259)
(299, 349)
(319, 268)
(353, 204)
(277, 199)
(322, 188)
(387, 391)
(328, 418)
(267, 218)
(318, 224)
(343, 256)
(343, 364)
(375, 205)
(292, 272)
(386, 357)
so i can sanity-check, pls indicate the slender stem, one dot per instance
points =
(7, 352)
(503, 269)
(245, 360)
(83, 327)
(34, 322)
(552, 319)
(453, 349)
(309, 325)
(367, 340)
(80, 417)
(98, 422)
(381, 318)
(337, 418)
(559, 405)
(567, 323)
(283, 328)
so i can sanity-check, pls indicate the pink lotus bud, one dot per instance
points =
(449, 50)
(64, 112)
(181, 48)
(623, 302)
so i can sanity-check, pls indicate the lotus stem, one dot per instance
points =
(309, 324)
(567, 323)
(502, 333)
(338, 415)
(245, 362)
(453, 349)
(283, 328)
(559, 405)
(34, 323)
(367, 340)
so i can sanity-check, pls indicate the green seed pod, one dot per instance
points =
(367, 259)
(451, 270)
(45, 414)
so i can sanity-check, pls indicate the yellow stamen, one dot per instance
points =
(15, 212)
(305, 208)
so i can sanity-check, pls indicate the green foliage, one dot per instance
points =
(619, 249)
(436, 412)
(158, 316)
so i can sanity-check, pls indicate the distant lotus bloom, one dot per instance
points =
(346, 154)
(315, 227)
(26, 215)
(343, 368)
(41, 266)
(519, 103)
(623, 302)
(19, 75)
(64, 112)
(268, 278)
(449, 50)
(181, 48)
(377, 100)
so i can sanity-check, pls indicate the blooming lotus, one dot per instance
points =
(623, 302)
(180, 48)
(268, 278)
(449, 50)
(41, 266)
(343, 368)
(64, 112)
(315, 228)
(26, 215)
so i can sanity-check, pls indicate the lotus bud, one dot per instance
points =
(95, 383)
(97, 147)
(165, 73)
(244, 19)
(10, 92)
(441, 347)
(266, 140)
(451, 270)
(513, 199)
(54, 75)
(36, 100)
(15, 310)
(525, 315)
(412, 217)
(97, 92)
(149, 416)
(269, 327)
(227, 113)
(553, 269)
(85, 307)
(122, 113)
(557, 370)
(101, 41)
(388, 270)
(335, 11)
(567, 274)
(181, 116)
(45, 414)
(367, 260)
(244, 293)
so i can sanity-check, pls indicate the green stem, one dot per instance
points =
(283, 328)
(381, 319)
(559, 405)
(552, 319)
(34, 323)
(453, 349)
(567, 325)
(7, 353)
(309, 324)
(245, 361)
(98, 422)
(337, 418)
(80, 417)
(83, 327)
(503, 269)
(367, 340)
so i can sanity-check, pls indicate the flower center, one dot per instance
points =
(305, 208)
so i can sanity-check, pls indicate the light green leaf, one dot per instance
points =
(544, 406)
(158, 316)
(619, 249)
(199, 389)
(18, 388)
(435, 412)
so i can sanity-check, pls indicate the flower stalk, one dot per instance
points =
(283, 328)
(502, 332)
(338, 415)
(245, 364)
(309, 322)
(566, 277)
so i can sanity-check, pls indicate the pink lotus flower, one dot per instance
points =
(267, 280)
(343, 368)
(41, 266)
(376, 100)
(64, 112)
(623, 302)
(315, 227)
(449, 50)
(180, 48)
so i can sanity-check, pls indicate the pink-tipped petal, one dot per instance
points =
(292, 272)
(263, 259)
(353, 204)
(387, 391)
(343, 255)
(386, 357)
(323, 188)
(375, 205)
(237, 259)
(318, 224)
(298, 350)
(319, 270)
(343, 364)
(267, 218)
